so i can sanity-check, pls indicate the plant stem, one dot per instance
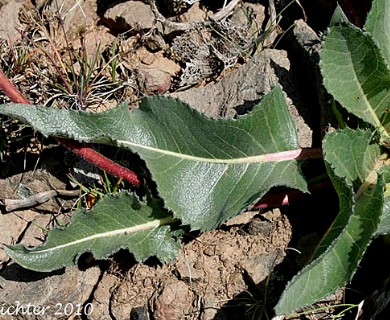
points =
(85, 152)
(11, 91)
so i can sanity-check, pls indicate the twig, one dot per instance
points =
(225, 11)
(272, 15)
(36, 199)
(303, 10)
(84, 151)
(183, 26)
(178, 26)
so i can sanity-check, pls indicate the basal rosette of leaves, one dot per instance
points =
(355, 67)
(206, 170)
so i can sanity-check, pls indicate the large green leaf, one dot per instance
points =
(206, 170)
(378, 25)
(115, 222)
(354, 174)
(356, 74)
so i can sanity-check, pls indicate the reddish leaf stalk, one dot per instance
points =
(101, 161)
(11, 91)
(85, 152)
(282, 198)
(297, 154)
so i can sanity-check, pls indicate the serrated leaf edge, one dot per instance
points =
(331, 246)
(377, 123)
(146, 226)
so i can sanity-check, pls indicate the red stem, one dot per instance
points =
(85, 152)
(11, 91)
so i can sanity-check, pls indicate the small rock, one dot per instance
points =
(145, 56)
(153, 80)
(9, 14)
(272, 215)
(195, 13)
(154, 61)
(11, 235)
(131, 15)
(259, 227)
(102, 296)
(139, 313)
(259, 267)
(155, 41)
(95, 42)
(174, 301)
(249, 16)
(306, 46)
(76, 15)
(53, 291)
(164, 64)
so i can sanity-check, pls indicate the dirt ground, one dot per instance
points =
(223, 69)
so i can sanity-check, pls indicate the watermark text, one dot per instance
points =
(59, 309)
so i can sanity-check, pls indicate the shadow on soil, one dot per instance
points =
(15, 272)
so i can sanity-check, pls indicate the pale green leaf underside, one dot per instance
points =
(356, 75)
(115, 222)
(361, 209)
(378, 25)
(206, 170)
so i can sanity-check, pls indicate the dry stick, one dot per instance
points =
(184, 26)
(82, 150)
(36, 199)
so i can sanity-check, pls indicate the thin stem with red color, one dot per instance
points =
(85, 152)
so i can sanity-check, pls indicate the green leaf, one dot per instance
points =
(352, 153)
(356, 75)
(206, 170)
(115, 222)
(384, 226)
(360, 190)
(378, 25)
(338, 16)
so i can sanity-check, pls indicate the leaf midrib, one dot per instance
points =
(263, 158)
(129, 230)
